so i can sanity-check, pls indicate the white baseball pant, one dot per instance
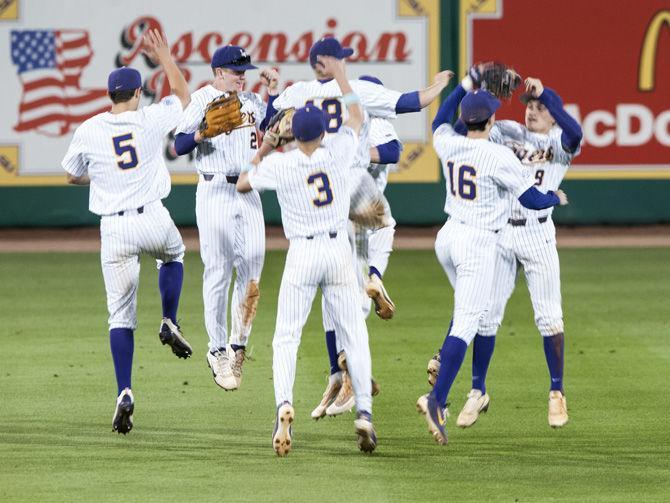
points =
(123, 238)
(323, 262)
(232, 235)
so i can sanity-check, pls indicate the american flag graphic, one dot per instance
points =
(50, 64)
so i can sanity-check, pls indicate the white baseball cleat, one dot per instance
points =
(219, 362)
(281, 436)
(422, 406)
(475, 405)
(558, 409)
(384, 306)
(329, 396)
(367, 437)
(345, 400)
(236, 359)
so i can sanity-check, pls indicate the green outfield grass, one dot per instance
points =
(194, 442)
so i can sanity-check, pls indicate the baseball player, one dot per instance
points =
(376, 101)
(119, 154)
(230, 224)
(546, 145)
(371, 260)
(480, 176)
(312, 184)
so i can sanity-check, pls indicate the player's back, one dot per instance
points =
(375, 100)
(313, 191)
(480, 176)
(123, 155)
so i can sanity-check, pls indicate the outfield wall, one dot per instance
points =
(622, 176)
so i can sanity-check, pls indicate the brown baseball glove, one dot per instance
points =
(280, 128)
(496, 78)
(222, 115)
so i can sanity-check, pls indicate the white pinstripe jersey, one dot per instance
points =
(123, 156)
(542, 154)
(313, 192)
(479, 175)
(381, 132)
(227, 153)
(376, 101)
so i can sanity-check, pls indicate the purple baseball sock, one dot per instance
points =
(170, 279)
(554, 348)
(122, 343)
(482, 351)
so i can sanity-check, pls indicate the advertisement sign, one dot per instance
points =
(607, 60)
(56, 56)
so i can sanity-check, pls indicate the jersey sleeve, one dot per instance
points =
(377, 100)
(561, 156)
(381, 132)
(191, 117)
(442, 136)
(343, 146)
(505, 130)
(511, 174)
(287, 98)
(74, 162)
(165, 114)
(264, 176)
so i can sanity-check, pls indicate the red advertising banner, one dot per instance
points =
(609, 61)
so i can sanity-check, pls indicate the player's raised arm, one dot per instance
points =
(156, 47)
(428, 95)
(571, 135)
(336, 68)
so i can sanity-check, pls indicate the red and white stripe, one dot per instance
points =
(52, 101)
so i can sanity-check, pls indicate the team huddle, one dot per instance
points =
(326, 147)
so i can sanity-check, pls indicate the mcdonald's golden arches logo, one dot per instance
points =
(647, 70)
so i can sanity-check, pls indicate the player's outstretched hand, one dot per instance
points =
(270, 79)
(562, 197)
(443, 78)
(155, 46)
(534, 87)
(331, 65)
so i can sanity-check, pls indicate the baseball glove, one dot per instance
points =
(280, 128)
(222, 115)
(368, 207)
(496, 78)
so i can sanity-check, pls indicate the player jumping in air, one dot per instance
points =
(119, 154)
(481, 178)
(313, 186)
(230, 225)
(546, 145)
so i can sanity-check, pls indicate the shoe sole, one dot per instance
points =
(123, 423)
(366, 440)
(483, 410)
(435, 431)
(341, 409)
(217, 382)
(281, 441)
(384, 307)
(179, 346)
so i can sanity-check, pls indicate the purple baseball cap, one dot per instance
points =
(124, 79)
(478, 106)
(371, 78)
(308, 123)
(328, 47)
(232, 57)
